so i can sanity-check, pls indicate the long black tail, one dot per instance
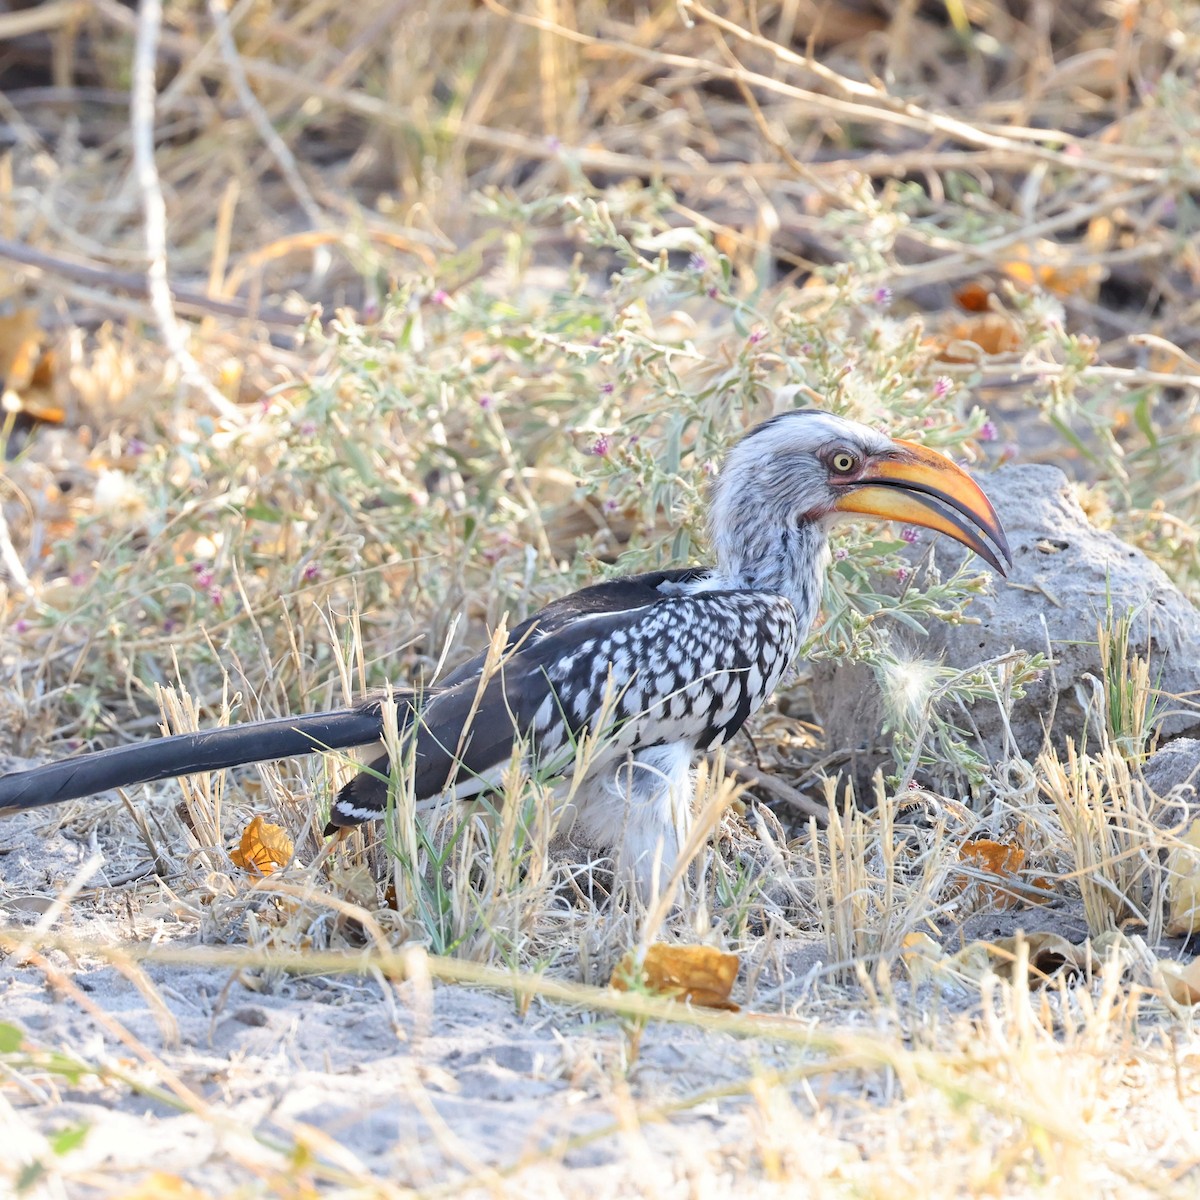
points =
(187, 753)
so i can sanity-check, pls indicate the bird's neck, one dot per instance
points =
(788, 559)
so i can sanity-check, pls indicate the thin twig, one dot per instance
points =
(141, 124)
(872, 106)
(137, 284)
(40, 18)
(12, 560)
(780, 790)
(275, 144)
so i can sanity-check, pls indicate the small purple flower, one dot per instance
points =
(942, 387)
(712, 293)
(607, 389)
(312, 571)
(757, 336)
(601, 447)
(204, 575)
(486, 402)
(710, 467)
(135, 446)
(611, 505)
(988, 432)
(698, 263)
(902, 574)
(308, 428)
(20, 625)
(79, 578)
(841, 554)
(370, 312)
(882, 296)
(169, 626)
(441, 296)
(216, 596)
(910, 535)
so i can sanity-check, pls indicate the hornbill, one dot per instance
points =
(672, 662)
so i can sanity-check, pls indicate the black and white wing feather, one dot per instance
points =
(638, 662)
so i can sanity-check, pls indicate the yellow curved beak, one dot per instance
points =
(921, 487)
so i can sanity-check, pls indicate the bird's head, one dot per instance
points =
(806, 469)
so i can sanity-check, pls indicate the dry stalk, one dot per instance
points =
(202, 793)
(865, 907)
(1109, 825)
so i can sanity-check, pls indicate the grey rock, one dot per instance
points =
(1065, 575)
(1175, 766)
(1173, 775)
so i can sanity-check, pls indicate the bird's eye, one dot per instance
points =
(843, 462)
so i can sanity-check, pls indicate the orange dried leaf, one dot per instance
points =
(26, 374)
(263, 849)
(1001, 859)
(1043, 885)
(701, 974)
(1047, 266)
(969, 338)
(974, 297)
(20, 340)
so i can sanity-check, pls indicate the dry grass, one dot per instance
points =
(374, 324)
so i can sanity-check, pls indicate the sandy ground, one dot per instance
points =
(415, 1085)
(453, 1090)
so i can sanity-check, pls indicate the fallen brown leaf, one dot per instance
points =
(974, 297)
(969, 338)
(263, 849)
(1003, 860)
(1181, 981)
(1046, 266)
(26, 373)
(700, 974)
(1048, 952)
